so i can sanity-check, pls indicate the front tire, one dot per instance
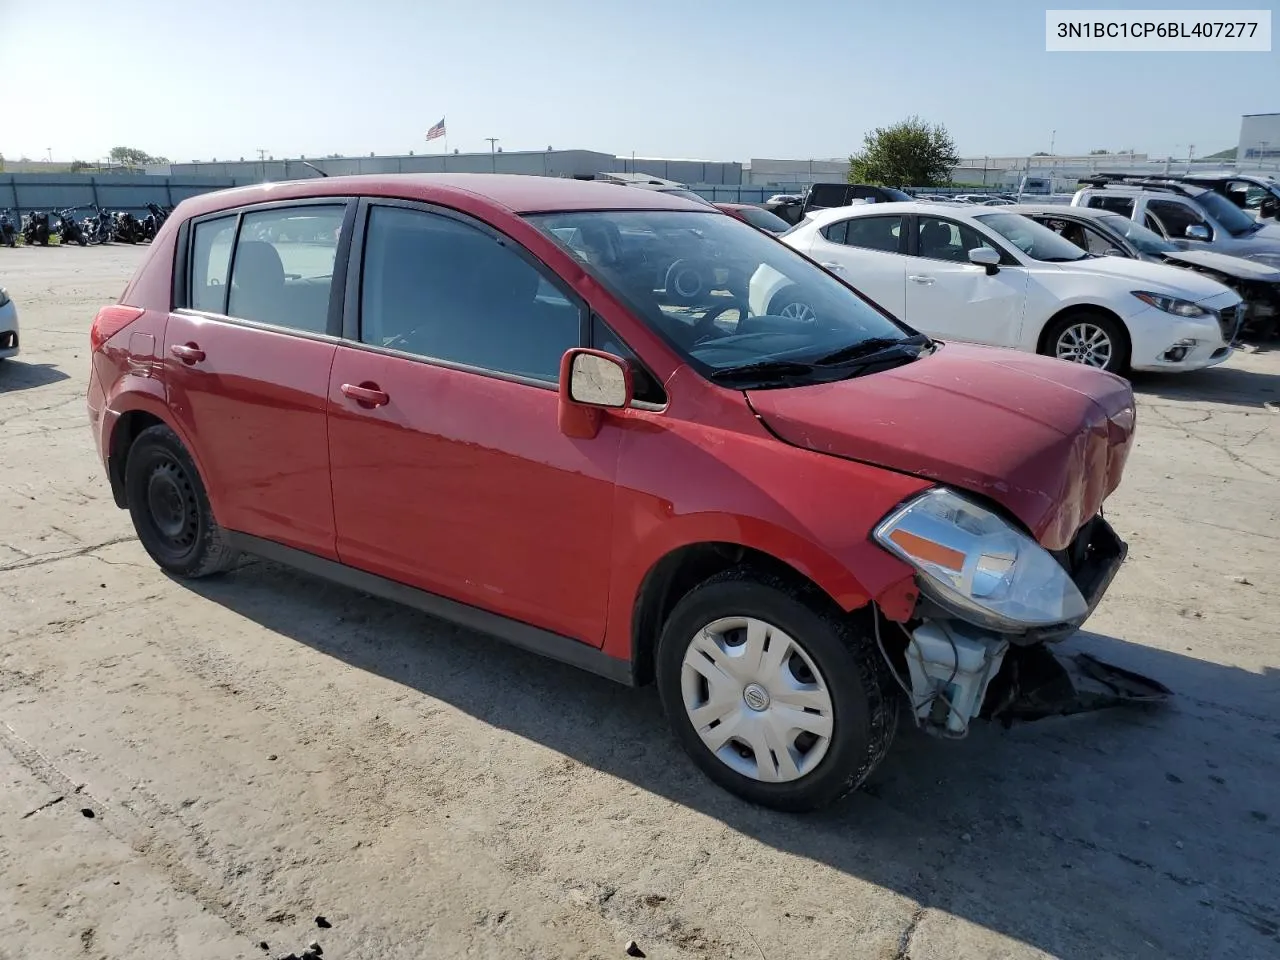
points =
(773, 693)
(788, 303)
(170, 508)
(687, 283)
(1092, 338)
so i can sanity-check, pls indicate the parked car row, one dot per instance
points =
(772, 497)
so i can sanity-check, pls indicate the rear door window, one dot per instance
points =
(282, 271)
(875, 233)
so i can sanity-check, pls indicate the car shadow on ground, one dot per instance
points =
(1141, 832)
(18, 375)
(1223, 384)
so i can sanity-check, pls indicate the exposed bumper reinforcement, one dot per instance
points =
(1037, 683)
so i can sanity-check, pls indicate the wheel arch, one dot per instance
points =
(1075, 309)
(681, 569)
(145, 410)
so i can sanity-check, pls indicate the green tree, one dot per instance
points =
(78, 165)
(1098, 153)
(913, 153)
(133, 157)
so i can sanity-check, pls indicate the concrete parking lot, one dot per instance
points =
(193, 770)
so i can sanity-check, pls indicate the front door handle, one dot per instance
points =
(367, 394)
(188, 353)
(919, 279)
(835, 267)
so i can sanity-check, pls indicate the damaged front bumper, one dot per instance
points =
(959, 671)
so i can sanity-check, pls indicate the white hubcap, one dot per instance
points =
(757, 699)
(1085, 343)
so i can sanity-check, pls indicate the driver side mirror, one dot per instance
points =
(1113, 252)
(1197, 232)
(591, 382)
(986, 257)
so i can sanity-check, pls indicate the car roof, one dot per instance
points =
(737, 206)
(513, 193)
(927, 208)
(1059, 209)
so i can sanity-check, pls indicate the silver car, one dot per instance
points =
(8, 326)
(1188, 215)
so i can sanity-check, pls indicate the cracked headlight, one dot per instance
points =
(977, 565)
(1179, 308)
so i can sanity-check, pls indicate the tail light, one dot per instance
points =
(110, 321)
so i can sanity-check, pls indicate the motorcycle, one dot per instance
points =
(154, 220)
(99, 228)
(8, 232)
(128, 228)
(36, 229)
(69, 230)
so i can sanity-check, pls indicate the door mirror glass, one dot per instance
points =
(599, 380)
(984, 257)
(1197, 232)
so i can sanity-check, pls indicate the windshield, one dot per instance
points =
(897, 194)
(1036, 241)
(764, 220)
(1232, 218)
(723, 294)
(1147, 241)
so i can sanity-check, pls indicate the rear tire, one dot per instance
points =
(803, 690)
(170, 509)
(1091, 338)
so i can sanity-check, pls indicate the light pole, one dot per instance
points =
(1053, 135)
(493, 156)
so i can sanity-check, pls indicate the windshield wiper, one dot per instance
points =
(764, 370)
(874, 345)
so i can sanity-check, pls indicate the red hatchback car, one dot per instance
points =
(471, 394)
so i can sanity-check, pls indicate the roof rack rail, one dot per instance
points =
(1148, 183)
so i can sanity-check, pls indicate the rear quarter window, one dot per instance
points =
(210, 262)
(1120, 205)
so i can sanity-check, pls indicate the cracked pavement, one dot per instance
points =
(264, 748)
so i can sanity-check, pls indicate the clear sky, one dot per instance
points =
(710, 79)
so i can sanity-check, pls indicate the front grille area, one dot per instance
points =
(8, 340)
(1229, 320)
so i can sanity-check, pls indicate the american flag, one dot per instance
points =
(436, 131)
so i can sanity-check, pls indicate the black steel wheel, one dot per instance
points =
(170, 509)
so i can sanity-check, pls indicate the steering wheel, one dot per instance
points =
(705, 327)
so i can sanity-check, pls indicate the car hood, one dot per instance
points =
(1155, 277)
(1224, 263)
(1045, 439)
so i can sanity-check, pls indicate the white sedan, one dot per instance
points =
(8, 326)
(975, 273)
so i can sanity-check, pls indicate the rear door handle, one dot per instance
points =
(366, 394)
(188, 353)
(835, 267)
(919, 279)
